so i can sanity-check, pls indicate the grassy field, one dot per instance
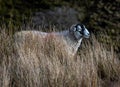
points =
(36, 63)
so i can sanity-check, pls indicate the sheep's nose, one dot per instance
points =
(86, 33)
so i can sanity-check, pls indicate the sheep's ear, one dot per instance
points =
(72, 28)
(75, 32)
(77, 35)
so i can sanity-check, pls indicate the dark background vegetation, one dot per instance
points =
(102, 17)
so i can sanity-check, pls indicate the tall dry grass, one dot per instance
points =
(34, 62)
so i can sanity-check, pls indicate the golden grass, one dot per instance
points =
(44, 63)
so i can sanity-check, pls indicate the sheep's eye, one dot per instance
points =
(83, 26)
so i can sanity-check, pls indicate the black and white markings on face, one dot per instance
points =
(78, 28)
(82, 30)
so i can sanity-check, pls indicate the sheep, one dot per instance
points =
(71, 37)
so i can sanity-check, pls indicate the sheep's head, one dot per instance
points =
(79, 31)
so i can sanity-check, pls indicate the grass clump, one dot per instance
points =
(37, 62)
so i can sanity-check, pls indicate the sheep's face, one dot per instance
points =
(79, 31)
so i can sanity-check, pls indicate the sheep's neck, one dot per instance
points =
(74, 45)
(71, 41)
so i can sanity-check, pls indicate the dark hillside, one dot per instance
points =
(101, 16)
